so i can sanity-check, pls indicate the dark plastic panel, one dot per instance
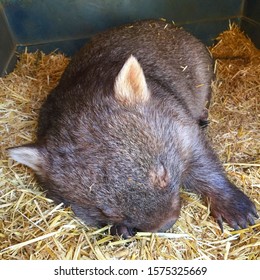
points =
(7, 45)
(67, 24)
(34, 22)
(251, 20)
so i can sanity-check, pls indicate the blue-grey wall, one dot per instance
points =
(251, 20)
(67, 24)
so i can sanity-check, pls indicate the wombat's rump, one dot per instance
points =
(121, 132)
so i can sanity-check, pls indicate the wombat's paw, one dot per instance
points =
(122, 230)
(237, 210)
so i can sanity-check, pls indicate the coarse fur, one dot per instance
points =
(121, 133)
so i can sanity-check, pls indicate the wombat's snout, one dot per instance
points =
(161, 227)
(127, 232)
(161, 222)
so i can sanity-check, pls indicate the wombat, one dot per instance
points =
(121, 133)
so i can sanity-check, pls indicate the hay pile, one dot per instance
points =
(32, 227)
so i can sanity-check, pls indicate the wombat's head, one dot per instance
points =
(121, 164)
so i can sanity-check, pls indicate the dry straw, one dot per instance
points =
(33, 227)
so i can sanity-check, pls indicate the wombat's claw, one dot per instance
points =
(220, 224)
(255, 213)
(251, 220)
(235, 226)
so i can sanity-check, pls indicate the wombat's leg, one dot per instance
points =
(227, 202)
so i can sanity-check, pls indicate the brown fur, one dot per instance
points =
(120, 133)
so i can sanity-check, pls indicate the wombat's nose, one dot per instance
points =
(122, 230)
(167, 226)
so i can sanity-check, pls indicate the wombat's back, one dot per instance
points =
(170, 57)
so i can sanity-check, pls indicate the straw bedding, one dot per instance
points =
(33, 227)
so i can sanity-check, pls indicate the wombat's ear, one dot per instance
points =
(28, 155)
(159, 176)
(130, 85)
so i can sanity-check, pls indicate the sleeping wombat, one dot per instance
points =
(121, 133)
